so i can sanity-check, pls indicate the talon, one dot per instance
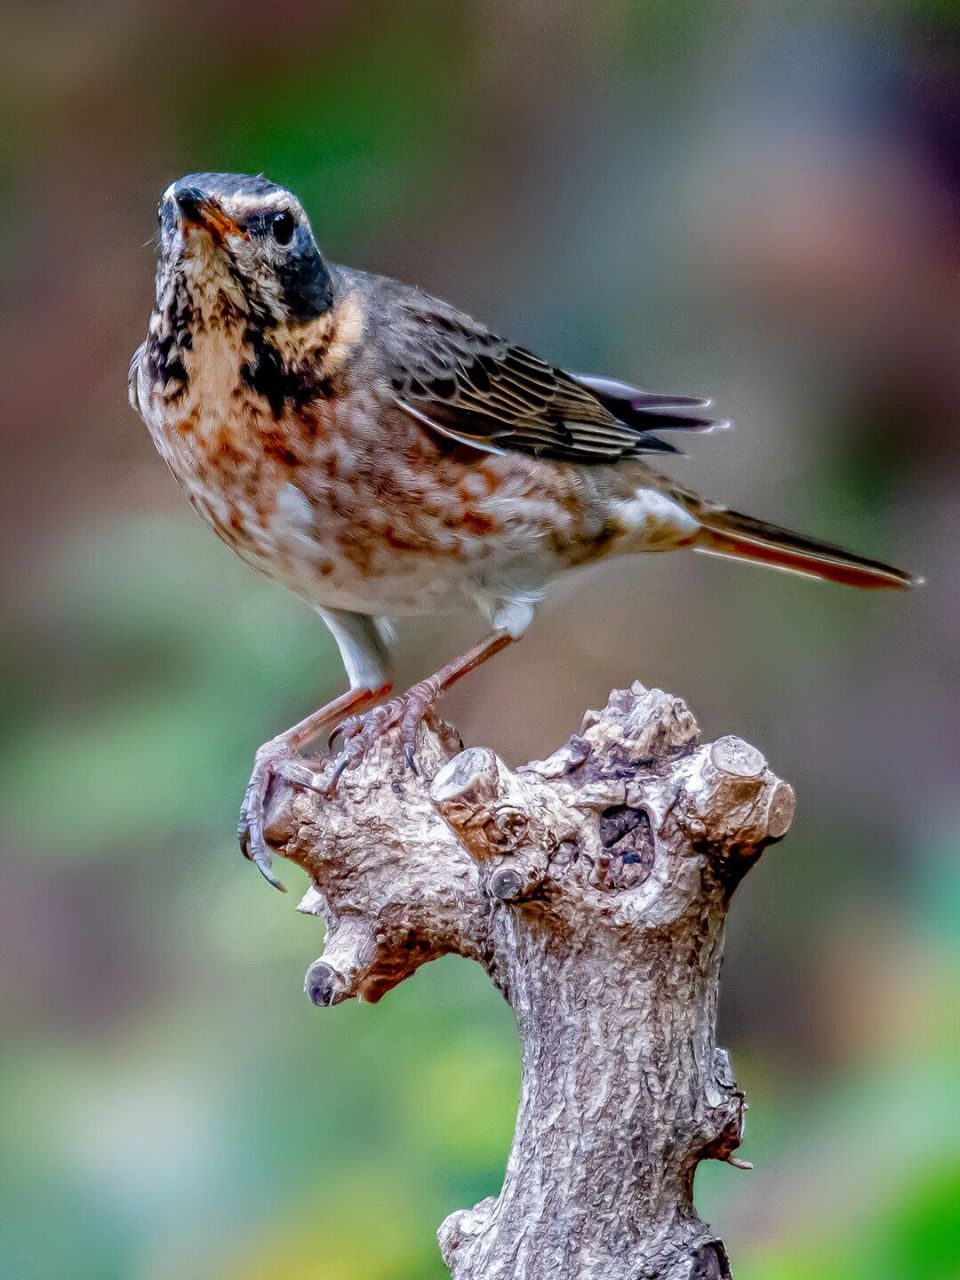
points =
(267, 765)
(408, 734)
(350, 728)
(263, 860)
(360, 733)
(280, 759)
(338, 731)
(339, 769)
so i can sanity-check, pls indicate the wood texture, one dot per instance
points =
(593, 887)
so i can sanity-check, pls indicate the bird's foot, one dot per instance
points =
(407, 713)
(279, 761)
(274, 762)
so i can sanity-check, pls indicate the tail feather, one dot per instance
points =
(740, 537)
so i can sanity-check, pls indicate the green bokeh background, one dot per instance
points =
(757, 201)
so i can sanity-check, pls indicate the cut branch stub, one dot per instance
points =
(510, 825)
(593, 886)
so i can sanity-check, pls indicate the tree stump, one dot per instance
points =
(593, 887)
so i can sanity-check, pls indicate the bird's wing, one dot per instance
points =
(467, 384)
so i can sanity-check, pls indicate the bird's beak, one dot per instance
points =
(195, 210)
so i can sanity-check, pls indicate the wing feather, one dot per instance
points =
(473, 387)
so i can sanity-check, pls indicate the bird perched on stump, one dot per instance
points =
(385, 455)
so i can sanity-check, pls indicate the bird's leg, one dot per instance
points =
(276, 759)
(359, 732)
(367, 663)
(422, 696)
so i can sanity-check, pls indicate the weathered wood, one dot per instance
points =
(593, 887)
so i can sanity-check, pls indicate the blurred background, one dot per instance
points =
(759, 202)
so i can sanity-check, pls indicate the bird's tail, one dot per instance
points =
(739, 537)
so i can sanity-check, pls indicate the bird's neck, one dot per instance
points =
(211, 366)
(293, 366)
(193, 356)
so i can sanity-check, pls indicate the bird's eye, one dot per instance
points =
(283, 226)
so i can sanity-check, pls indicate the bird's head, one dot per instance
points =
(232, 241)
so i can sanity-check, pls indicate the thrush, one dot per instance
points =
(384, 455)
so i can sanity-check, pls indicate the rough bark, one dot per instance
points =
(593, 887)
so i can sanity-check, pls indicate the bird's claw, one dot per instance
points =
(359, 733)
(277, 762)
(273, 762)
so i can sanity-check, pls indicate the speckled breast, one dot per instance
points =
(354, 505)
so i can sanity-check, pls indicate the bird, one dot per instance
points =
(384, 455)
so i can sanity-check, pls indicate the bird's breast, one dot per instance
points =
(354, 504)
